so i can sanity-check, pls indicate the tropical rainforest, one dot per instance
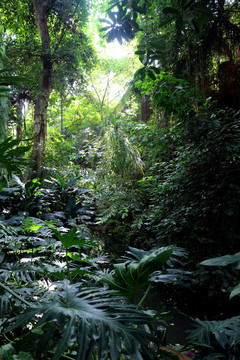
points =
(119, 179)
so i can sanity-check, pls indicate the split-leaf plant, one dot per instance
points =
(56, 199)
(219, 339)
(51, 306)
(143, 268)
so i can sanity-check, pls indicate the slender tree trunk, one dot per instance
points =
(19, 129)
(4, 105)
(41, 104)
(61, 113)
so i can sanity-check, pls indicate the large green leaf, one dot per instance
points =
(235, 291)
(71, 238)
(128, 277)
(223, 335)
(224, 261)
(90, 319)
(6, 352)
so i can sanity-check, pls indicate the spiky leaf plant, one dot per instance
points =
(86, 320)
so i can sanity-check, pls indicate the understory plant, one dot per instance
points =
(55, 199)
(143, 268)
(219, 339)
(52, 307)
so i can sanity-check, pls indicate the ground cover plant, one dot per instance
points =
(52, 305)
(219, 339)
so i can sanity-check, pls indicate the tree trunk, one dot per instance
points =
(4, 104)
(41, 104)
(19, 130)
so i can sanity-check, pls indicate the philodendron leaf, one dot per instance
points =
(235, 291)
(223, 260)
(128, 277)
(70, 239)
(91, 319)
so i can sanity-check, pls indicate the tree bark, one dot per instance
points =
(19, 130)
(41, 104)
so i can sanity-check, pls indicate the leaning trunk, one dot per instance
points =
(41, 104)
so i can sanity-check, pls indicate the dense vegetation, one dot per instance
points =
(117, 176)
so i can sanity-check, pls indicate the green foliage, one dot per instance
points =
(84, 316)
(192, 179)
(176, 36)
(87, 320)
(142, 268)
(45, 316)
(12, 156)
(57, 201)
(217, 339)
(66, 22)
(225, 260)
(121, 155)
(122, 23)
(65, 200)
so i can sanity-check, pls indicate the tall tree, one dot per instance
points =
(3, 99)
(41, 105)
(50, 47)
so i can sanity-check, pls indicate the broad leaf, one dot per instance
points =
(223, 260)
(235, 291)
(90, 319)
(128, 277)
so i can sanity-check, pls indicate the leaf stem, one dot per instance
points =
(15, 295)
(62, 356)
(68, 267)
(144, 296)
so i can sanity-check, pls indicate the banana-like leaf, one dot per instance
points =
(88, 320)
(128, 277)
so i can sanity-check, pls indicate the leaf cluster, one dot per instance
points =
(217, 339)
(51, 305)
(12, 156)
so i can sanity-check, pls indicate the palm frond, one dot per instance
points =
(125, 156)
